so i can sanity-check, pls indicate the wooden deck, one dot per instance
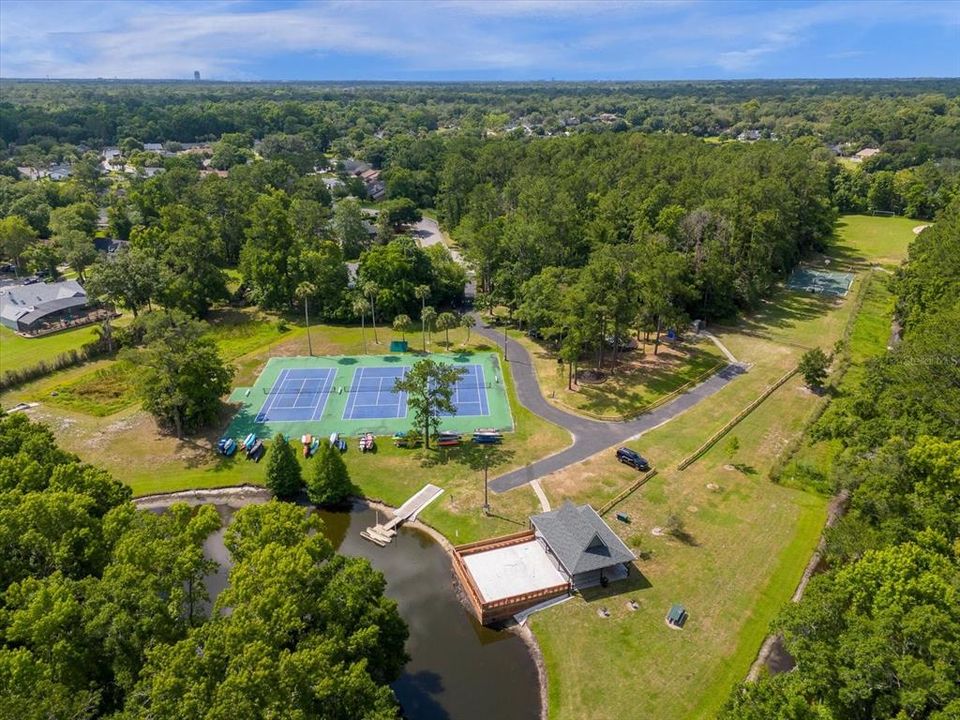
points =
(383, 533)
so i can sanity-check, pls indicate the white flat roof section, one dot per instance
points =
(513, 570)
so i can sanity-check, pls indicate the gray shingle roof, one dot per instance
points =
(19, 300)
(580, 539)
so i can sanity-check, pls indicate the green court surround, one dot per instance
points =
(251, 400)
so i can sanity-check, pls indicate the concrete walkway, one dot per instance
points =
(720, 346)
(589, 436)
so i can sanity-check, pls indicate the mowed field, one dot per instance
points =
(94, 412)
(18, 352)
(743, 541)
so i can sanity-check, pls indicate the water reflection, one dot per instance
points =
(458, 668)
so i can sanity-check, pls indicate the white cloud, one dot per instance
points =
(232, 38)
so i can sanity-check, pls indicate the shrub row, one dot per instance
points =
(71, 358)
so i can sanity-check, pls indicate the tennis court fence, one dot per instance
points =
(336, 390)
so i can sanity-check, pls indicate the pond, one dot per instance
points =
(459, 670)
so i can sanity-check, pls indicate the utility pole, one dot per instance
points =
(505, 342)
(486, 464)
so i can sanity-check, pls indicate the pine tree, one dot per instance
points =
(283, 469)
(330, 483)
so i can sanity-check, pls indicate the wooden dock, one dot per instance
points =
(382, 533)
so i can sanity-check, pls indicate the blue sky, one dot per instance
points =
(478, 40)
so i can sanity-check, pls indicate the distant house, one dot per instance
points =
(371, 178)
(749, 136)
(54, 172)
(109, 246)
(153, 147)
(355, 167)
(32, 308)
(583, 544)
(866, 153)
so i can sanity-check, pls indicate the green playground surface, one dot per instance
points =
(354, 394)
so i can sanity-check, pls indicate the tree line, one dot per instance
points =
(878, 634)
(104, 611)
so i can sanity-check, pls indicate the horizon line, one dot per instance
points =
(896, 78)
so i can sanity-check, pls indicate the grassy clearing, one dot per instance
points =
(872, 239)
(642, 378)
(812, 462)
(100, 392)
(129, 444)
(745, 548)
(239, 332)
(745, 541)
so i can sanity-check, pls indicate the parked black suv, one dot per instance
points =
(632, 458)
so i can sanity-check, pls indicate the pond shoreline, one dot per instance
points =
(257, 493)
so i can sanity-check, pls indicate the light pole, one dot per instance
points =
(486, 464)
(505, 342)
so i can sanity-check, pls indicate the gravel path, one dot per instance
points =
(589, 436)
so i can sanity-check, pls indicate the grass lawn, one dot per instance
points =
(872, 239)
(745, 543)
(18, 352)
(869, 335)
(128, 444)
(641, 379)
(99, 392)
(745, 540)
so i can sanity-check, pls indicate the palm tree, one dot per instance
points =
(429, 316)
(467, 321)
(303, 292)
(402, 324)
(360, 307)
(423, 292)
(445, 322)
(370, 289)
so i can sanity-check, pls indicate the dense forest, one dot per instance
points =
(104, 611)
(921, 113)
(878, 634)
(588, 211)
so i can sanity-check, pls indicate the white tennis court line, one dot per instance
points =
(265, 410)
(482, 390)
(323, 395)
(319, 402)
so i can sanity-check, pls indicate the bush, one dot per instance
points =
(71, 358)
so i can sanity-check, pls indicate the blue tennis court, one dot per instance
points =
(469, 394)
(297, 395)
(372, 395)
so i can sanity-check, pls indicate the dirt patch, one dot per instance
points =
(919, 229)
(591, 377)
